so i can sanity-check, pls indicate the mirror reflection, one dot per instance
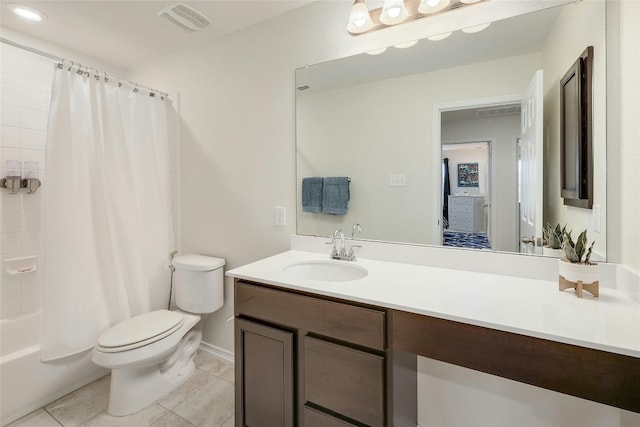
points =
(487, 102)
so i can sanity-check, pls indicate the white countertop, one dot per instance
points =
(524, 306)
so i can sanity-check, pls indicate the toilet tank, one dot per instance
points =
(199, 283)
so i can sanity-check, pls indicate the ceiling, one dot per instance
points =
(128, 33)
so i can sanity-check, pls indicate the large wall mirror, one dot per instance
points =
(482, 109)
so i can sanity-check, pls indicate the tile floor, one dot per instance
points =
(206, 399)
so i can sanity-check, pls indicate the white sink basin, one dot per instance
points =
(326, 271)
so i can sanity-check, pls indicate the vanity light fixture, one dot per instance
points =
(433, 6)
(359, 19)
(393, 12)
(377, 51)
(406, 44)
(439, 36)
(476, 28)
(26, 12)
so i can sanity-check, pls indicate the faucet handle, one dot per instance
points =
(356, 228)
(352, 254)
(334, 250)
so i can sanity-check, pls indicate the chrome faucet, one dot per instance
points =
(341, 254)
(335, 253)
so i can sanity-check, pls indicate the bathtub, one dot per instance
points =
(28, 384)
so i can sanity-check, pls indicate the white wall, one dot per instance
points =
(238, 159)
(625, 151)
(504, 198)
(578, 26)
(368, 141)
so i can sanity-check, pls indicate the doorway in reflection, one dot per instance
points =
(466, 203)
(479, 149)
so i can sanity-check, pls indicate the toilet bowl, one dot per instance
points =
(153, 353)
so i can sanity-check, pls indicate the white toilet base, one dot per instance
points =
(134, 388)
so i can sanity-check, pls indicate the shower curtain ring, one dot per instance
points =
(71, 66)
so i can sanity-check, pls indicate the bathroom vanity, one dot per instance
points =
(312, 351)
(338, 350)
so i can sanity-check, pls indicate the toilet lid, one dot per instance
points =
(140, 330)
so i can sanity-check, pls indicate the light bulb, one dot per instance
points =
(393, 12)
(359, 18)
(432, 6)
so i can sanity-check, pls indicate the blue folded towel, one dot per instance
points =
(312, 194)
(335, 195)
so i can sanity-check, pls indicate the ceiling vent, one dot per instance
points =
(498, 111)
(184, 17)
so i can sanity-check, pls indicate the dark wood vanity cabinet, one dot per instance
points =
(335, 355)
(265, 381)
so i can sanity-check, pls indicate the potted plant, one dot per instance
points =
(575, 269)
(553, 238)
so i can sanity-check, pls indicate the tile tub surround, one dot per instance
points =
(206, 399)
(23, 124)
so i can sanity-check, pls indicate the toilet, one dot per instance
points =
(153, 353)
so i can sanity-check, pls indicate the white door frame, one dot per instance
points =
(490, 180)
(438, 109)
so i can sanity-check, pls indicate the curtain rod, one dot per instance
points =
(61, 60)
(30, 49)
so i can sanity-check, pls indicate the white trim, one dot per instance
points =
(217, 351)
(490, 200)
(436, 143)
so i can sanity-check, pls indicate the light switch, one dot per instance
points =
(397, 180)
(281, 216)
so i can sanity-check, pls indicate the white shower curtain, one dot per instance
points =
(106, 210)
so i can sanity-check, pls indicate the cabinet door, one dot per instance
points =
(264, 375)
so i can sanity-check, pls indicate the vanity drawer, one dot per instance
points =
(316, 418)
(344, 380)
(358, 325)
(460, 207)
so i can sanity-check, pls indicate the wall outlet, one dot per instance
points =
(397, 180)
(281, 216)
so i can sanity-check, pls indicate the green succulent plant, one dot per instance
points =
(554, 236)
(575, 251)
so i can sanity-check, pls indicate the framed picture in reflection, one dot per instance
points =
(468, 175)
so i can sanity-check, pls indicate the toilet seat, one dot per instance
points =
(140, 331)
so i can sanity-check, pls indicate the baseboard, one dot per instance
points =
(218, 351)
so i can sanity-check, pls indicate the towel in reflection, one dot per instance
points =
(312, 194)
(335, 195)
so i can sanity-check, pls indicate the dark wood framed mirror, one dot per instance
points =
(576, 133)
